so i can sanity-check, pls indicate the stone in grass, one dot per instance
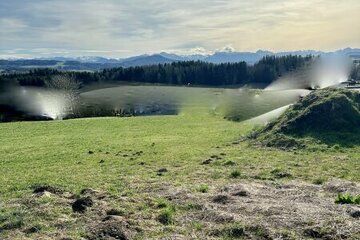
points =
(81, 204)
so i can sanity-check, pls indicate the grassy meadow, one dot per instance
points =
(150, 171)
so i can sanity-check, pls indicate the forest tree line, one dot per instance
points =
(265, 71)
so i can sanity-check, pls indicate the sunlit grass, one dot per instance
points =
(127, 157)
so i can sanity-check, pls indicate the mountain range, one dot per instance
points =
(96, 63)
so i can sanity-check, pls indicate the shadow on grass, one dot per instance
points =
(342, 139)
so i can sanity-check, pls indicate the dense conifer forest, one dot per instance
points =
(179, 73)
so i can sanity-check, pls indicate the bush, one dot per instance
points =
(347, 199)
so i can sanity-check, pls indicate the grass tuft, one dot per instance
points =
(235, 174)
(235, 230)
(203, 188)
(166, 216)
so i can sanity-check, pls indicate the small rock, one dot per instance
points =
(162, 170)
(90, 152)
(141, 163)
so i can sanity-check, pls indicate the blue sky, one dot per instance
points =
(119, 28)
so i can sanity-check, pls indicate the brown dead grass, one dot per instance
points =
(264, 209)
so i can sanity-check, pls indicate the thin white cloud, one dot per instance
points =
(189, 51)
(143, 26)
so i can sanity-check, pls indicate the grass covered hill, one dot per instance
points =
(330, 116)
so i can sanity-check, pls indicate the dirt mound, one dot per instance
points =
(81, 204)
(329, 116)
(111, 230)
(39, 189)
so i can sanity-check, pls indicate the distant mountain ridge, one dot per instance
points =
(216, 57)
(97, 62)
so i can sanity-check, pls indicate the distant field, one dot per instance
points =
(152, 168)
(240, 103)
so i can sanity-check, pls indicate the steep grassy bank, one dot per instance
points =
(328, 117)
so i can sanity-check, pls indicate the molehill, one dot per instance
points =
(326, 116)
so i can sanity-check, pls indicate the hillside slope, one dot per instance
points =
(329, 115)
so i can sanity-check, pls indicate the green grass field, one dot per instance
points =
(121, 158)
